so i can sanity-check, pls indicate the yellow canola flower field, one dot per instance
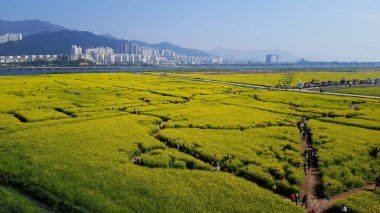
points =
(363, 202)
(348, 155)
(83, 161)
(118, 142)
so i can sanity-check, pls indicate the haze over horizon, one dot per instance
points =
(324, 30)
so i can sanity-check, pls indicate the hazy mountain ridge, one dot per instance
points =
(108, 36)
(41, 37)
(57, 43)
(167, 45)
(44, 38)
(28, 27)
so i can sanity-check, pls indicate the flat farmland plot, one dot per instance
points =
(118, 142)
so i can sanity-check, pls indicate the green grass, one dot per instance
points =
(360, 203)
(346, 155)
(12, 202)
(373, 90)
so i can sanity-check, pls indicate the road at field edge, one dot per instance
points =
(272, 88)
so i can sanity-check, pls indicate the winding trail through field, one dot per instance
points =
(312, 187)
(156, 135)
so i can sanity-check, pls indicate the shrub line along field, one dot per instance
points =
(162, 140)
(12, 201)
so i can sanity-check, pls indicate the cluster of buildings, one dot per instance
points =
(134, 54)
(26, 58)
(271, 59)
(10, 37)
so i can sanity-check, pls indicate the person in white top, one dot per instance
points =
(344, 208)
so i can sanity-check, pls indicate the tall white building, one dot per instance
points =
(3, 39)
(100, 50)
(76, 52)
(271, 59)
(119, 58)
(10, 37)
(14, 37)
(132, 48)
(168, 54)
(109, 59)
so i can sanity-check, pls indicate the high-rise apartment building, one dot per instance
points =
(10, 37)
(132, 48)
(271, 59)
(76, 52)
(14, 36)
(100, 50)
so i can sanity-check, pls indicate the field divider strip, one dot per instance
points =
(271, 88)
(199, 156)
(37, 195)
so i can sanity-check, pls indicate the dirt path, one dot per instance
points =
(312, 188)
(366, 188)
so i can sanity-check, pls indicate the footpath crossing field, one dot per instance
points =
(121, 142)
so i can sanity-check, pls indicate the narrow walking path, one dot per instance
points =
(312, 186)
(366, 188)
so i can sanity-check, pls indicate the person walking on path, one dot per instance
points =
(293, 197)
(377, 182)
(304, 154)
(304, 200)
(217, 166)
(304, 167)
(297, 197)
(308, 163)
(344, 208)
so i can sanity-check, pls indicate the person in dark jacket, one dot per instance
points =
(304, 200)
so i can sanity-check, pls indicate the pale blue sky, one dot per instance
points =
(322, 29)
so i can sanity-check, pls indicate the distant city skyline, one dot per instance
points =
(323, 30)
